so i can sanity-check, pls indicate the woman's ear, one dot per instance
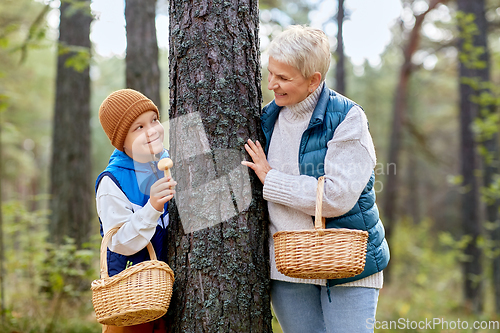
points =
(314, 82)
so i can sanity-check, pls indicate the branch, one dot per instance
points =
(32, 32)
(422, 142)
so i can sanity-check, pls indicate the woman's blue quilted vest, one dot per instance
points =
(135, 180)
(329, 112)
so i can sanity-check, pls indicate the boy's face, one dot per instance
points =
(144, 138)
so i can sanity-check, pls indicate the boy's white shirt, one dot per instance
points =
(114, 209)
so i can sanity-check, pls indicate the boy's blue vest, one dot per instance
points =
(329, 112)
(135, 180)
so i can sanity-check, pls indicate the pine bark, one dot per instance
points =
(222, 269)
(142, 69)
(71, 191)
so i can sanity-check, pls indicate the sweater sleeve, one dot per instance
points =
(349, 162)
(114, 208)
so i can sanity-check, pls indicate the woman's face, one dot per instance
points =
(288, 84)
(144, 138)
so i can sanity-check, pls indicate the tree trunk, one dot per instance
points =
(142, 70)
(70, 166)
(340, 68)
(470, 199)
(414, 186)
(218, 246)
(470, 162)
(496, 261)
(3, 107)
(491, 160)
(496, 265)
(399, 113)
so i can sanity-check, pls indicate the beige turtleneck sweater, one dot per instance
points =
(291, 197)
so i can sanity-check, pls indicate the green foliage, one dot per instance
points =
(487, 94)
(76, 6)
(487, 123)
(421, 273)
(3, 102)
(65, 266)
(427, 279)
(44, 281)
(16, 322)
(469, 54)
(27, 68)
(37, 33)
(79, 56)
(492, 192)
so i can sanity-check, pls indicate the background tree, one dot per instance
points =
(222, 273)
(474, 73)
(475, 55)
(142, 70)
(22, 177)
(339, 52)
(3, 106)
(399, 110)
(70, 188)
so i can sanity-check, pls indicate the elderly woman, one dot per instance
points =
(312, 131)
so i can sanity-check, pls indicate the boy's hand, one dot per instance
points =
(161, 192)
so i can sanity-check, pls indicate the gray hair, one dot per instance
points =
(304, 48)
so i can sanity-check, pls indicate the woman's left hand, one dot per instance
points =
(260, 165)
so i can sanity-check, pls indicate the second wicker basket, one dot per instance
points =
(320, 253)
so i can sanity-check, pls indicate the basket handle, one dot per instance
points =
(104, 250)
(319, 221)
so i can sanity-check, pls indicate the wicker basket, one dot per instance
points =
(138, 294)
(320, 253)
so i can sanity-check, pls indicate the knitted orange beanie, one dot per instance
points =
(119, 110)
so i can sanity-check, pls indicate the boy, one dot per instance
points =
(132, 191)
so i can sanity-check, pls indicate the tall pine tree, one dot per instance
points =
(71, 186)
(474, 79)
(142, 69)
(218, 239)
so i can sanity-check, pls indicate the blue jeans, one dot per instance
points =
(305, 308)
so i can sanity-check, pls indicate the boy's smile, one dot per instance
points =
(144, 138)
